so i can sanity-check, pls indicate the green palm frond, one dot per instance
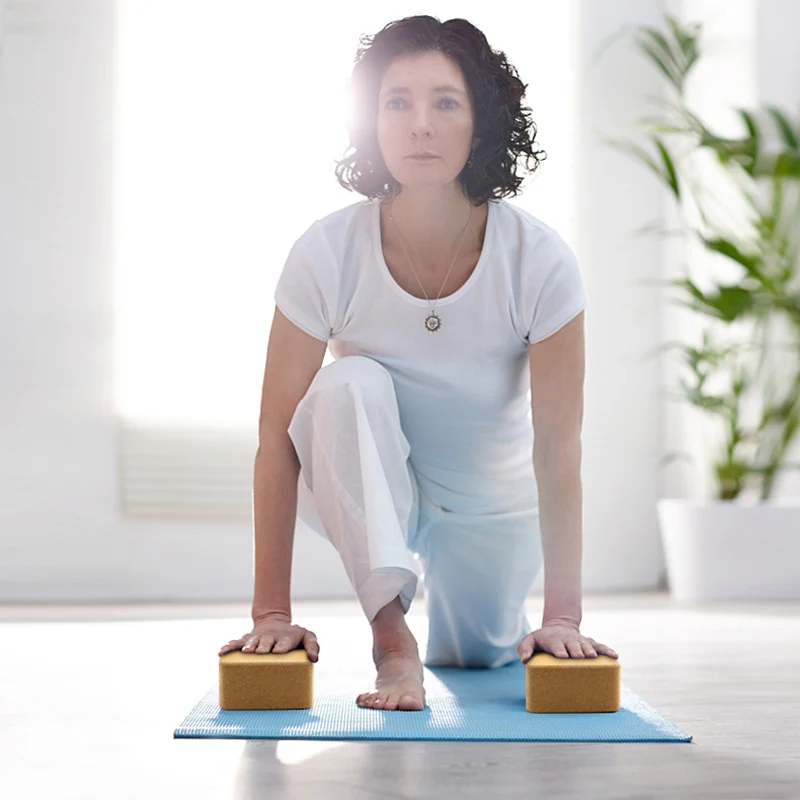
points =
(761, 167)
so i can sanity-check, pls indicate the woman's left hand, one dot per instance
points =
(562, 641)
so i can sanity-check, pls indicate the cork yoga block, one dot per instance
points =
(257, 681)
(572, 685)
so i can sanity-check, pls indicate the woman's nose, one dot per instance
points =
(421, 133)
(421, 122)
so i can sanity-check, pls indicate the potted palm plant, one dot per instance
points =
(742, 372)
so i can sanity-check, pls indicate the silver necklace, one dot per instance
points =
(432, 321)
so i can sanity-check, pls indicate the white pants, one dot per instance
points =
(357, 488)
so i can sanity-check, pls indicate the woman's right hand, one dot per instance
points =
(277, 636)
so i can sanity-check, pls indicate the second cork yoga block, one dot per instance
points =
(260, 681)
(572, 685)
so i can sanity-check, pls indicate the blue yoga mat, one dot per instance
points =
(461, 705)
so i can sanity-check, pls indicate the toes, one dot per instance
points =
(389, 702)
(367, 700)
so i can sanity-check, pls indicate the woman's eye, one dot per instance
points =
(389, 102)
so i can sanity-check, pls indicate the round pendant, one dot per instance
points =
(433, 323)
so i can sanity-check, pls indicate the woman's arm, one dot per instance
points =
(558, 368)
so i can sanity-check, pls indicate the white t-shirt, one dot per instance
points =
(463, 392)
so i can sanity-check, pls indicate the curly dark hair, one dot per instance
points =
(502, 123)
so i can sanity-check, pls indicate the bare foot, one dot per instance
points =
(398, 686)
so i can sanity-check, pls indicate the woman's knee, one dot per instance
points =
(360, 371)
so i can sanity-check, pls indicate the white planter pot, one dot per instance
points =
(730, 551)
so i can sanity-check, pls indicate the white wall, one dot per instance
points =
(613, 197)
(61, 534)
(777, 54)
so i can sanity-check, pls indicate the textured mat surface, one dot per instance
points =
(461, 705)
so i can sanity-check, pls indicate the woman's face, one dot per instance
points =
(424, 105)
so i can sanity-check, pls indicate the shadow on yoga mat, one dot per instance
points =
(461, 705)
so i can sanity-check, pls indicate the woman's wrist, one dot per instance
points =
(281, 615)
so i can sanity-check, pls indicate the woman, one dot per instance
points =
(442, 305)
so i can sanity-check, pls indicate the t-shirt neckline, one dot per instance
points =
(488, 241)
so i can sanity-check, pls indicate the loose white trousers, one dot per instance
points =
(358, 488)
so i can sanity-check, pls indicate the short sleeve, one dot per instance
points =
(553, 288)
(306, 288)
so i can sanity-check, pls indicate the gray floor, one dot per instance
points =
(89, 698)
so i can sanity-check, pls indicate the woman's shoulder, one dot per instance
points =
(528, 234)
(344, 221)
(335, 232)
(523, 220)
